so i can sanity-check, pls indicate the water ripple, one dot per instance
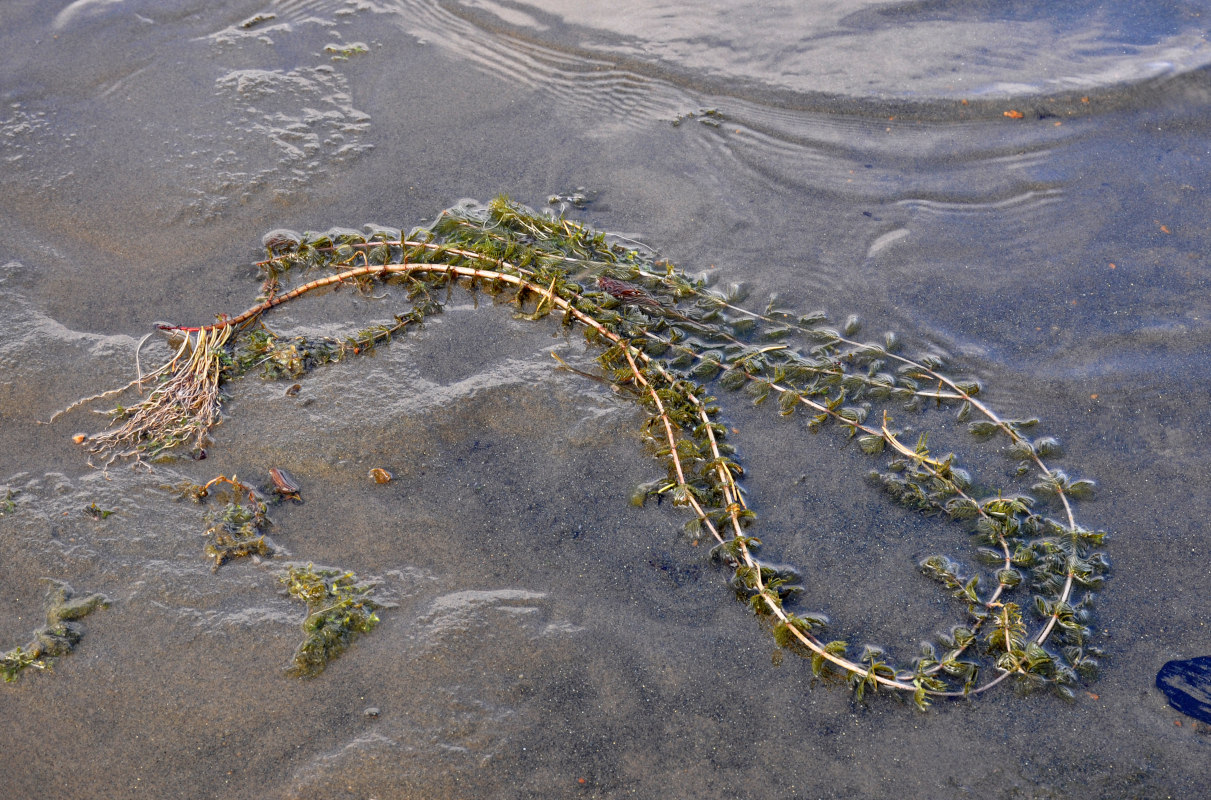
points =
(875, 52)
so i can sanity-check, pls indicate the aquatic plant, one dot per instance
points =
(58, 637)
(238, 529)
(339, 608)
(666, 339)
(8, 503)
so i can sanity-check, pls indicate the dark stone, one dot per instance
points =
(1187, 684)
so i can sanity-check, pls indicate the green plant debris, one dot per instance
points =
(257, 19)
(339, 609)
(238, 529)
(9, 502)
(96, 512)
(58, 637)
(710, 117)
(671, 342)
(343, 52)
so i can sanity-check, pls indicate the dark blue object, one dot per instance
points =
(1187, 684)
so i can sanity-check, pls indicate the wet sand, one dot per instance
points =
(545, 637)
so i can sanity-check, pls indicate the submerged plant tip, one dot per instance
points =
(669, 341)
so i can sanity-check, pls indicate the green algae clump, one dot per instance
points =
(339, 608)
(58, 637)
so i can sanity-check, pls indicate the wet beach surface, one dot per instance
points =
(547, 638)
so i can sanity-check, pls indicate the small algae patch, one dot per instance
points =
(238, 529)
(96, 512)
(9, 503)
(342, 52)
(58, 637)
(339, 608)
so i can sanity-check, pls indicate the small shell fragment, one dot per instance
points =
(284, 484)
(379, 475)
(80, 438)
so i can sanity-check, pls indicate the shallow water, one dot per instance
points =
(547, 638)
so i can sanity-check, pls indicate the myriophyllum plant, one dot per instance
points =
(669, 340)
